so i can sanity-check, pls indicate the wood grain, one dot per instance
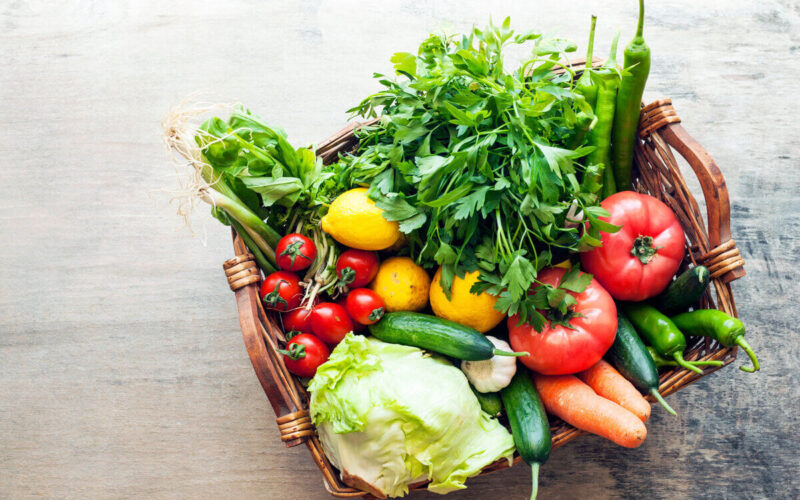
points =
(122, 369)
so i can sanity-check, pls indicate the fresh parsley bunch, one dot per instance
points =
(481, 166)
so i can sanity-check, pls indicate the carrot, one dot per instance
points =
(577, 404)
(608, 383)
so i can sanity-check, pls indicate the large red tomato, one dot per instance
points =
(638, 261)
(560, 349)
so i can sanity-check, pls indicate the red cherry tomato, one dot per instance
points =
(297, 320)
(330, 322)
(356, 268)
(304, 353)
(281, 291)
(638, 261)
(559, 349)
(295, 252)
(365, 306)
(357, 327)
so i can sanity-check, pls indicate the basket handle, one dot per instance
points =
(282, 390)
(723, 258)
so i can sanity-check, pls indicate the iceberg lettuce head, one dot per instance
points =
(389, 415)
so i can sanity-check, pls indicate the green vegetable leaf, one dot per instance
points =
(575, 281)
(284, 189)
(405, 63)
(395, 207)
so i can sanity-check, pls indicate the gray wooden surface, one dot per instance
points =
(122, 371)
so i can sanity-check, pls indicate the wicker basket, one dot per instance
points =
(656, 172)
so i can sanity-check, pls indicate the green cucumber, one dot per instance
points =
(490, 402)
(629, 356)
(529, 425)
(437, 335)
(684, 292)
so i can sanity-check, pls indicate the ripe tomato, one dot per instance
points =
(330, 322)
(281, 291)
(365, 306)
(560, 349)
(356, 268)
(295, 252)
(304, 353)
(638, 261)
(297, 320)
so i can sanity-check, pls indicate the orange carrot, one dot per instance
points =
(608, 383)
(577, 404)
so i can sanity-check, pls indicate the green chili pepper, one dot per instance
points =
(661, 361)
(600, 135)
(586, 85)
(717, 325)
(662, 334)
(629, 104)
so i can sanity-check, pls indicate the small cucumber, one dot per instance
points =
(629, 356)
(684, 292)
(529, 425)
(437, 335)
(490, 402)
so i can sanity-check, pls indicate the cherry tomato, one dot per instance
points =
(281, 291)
(357, 327)
(295, 252)
(304, 353)
(356, 268)
(571, 343)
(297, 320)
(330, 322)
(638, 261)
(365, 306)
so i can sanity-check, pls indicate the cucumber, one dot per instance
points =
(529, 425)
(490, 402)
(630, 357)
(437, 335)
(684, 292)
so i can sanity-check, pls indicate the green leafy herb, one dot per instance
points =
(483, 166)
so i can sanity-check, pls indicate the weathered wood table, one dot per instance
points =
(122, 370)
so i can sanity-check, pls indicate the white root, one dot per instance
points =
(179, 127)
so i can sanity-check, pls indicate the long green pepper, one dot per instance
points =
(662, 334)
(629, 103)
(600, 135)
(586, 86)
(717, 325)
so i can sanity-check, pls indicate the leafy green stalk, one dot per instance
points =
(255, 229)
(261, 259)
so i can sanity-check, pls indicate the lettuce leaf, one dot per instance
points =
(392, 415)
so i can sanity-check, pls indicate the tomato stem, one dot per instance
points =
(295, 351)
(273, 298)
(643, 249)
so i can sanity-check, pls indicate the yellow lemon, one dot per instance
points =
(354, 220)
(463, 307)
(402, 284)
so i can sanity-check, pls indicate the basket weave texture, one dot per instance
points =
(656, 172)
